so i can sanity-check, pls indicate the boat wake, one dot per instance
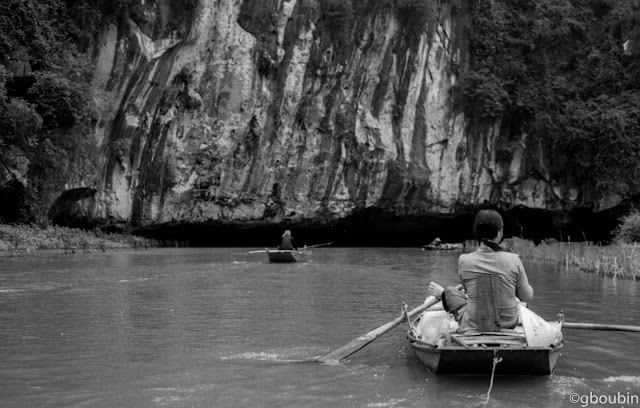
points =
(9, 290)
(564, 385)
(391, 403)
(133, 280)
(298, 355)
(36, 287)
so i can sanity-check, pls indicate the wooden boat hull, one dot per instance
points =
(449, 352)
(479, 360)
(281, 256)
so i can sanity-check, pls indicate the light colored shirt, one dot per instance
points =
(513, 281)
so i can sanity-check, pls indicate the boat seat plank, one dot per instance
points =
(504, 334)
(456, 339)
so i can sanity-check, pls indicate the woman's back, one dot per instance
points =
(513, 282)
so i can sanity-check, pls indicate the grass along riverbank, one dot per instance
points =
(31, 238)
(616, 260)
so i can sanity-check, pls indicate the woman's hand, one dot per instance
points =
(435, 290)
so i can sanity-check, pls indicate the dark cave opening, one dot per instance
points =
(378, 228)
(67, 208)
(12, 198)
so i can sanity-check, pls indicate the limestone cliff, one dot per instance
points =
(276, 110)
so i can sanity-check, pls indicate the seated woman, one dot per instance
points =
(288, 242)
(489, 259)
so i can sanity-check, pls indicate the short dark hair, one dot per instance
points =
(487, 224)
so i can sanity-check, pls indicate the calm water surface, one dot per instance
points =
(220, 327)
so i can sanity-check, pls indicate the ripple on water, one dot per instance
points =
(564, 385)
(10, 290)
(35, 287)
(391, 403)
(133, 280)
(177, 396)
(635, 380)
(296, 354)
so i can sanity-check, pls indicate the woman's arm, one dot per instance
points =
(524, 291)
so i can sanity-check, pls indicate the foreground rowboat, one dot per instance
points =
(281, 255)
(509, 350)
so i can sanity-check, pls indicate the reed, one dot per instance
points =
(616, 260)
(27, 238)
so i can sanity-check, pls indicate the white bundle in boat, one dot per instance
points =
(434, 327)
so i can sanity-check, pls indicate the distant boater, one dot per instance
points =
(288, 242)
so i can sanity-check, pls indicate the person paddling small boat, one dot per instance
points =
(285, 251)
(288, 242)
(482, 322)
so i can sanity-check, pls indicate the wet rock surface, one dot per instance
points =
(328, 116)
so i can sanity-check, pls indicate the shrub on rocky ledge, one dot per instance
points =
(629, 229)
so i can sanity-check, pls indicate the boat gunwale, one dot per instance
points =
(426, 348)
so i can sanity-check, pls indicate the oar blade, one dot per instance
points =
(358, 343)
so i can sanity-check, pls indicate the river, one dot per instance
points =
(219, 327)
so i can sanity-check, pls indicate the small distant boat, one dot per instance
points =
(442, 351)
(442, 247)
(281, 255)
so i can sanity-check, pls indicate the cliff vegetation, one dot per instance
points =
(45, 99)
(568, 72)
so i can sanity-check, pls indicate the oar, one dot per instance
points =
(593, 326)
(318, 245)
(356, 344)
(310, 246)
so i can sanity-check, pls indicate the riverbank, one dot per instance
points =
(29, 238)
(616, 260)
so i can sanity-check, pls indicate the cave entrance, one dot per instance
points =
(70, 209)
(12, 196)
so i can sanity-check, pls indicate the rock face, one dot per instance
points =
(276, 110)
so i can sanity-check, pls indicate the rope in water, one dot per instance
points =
(496, 360)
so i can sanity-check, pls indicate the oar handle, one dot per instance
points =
(594, 326)
(319, 245)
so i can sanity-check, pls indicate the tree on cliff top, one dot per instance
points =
(559, 66)
(44, 98)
